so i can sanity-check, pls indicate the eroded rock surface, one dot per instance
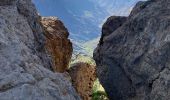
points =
(57, 43)
(83, 76)
(24, 64)
(133, 60)
(111, 25)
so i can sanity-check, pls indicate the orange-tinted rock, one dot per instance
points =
(57, 43)
(83, 76)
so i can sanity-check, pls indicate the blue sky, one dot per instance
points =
(84, 18)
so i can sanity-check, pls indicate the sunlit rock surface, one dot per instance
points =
(57, 43)
(83, 76)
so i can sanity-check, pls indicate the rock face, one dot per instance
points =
(24, 64)
(133, 59)
(83, 76)
(111, 25)
(57, 43)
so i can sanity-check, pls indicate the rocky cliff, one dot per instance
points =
(133, 58)
(24, 63)
(57, 43)
(83, 76)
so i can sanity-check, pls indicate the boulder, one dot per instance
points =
(25, 67)
(111, 25)
(83, 76)
(7, 2)
(133, 59)
(57, 43)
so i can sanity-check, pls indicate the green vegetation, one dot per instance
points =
(99, 95)
(98, 92)
(82, 58)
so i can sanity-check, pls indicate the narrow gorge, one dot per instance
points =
(131, 60)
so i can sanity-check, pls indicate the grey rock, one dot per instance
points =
(133, 60)
(111, 25)
(24, 64)
(7, 2)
